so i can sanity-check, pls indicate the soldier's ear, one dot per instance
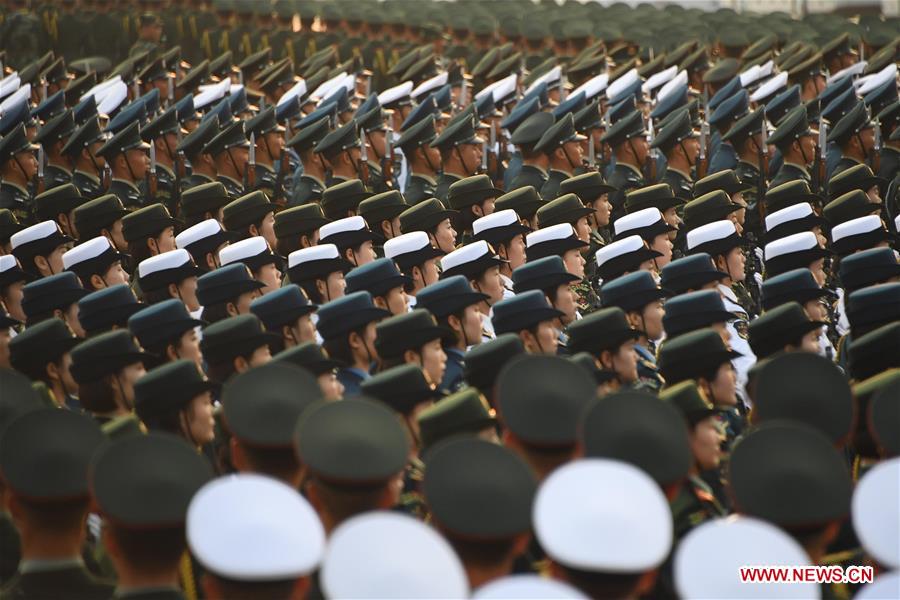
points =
(97, 282)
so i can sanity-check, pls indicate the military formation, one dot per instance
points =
(306, 299)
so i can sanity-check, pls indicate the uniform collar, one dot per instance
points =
(536, 168)
(798, 167)
(727, 292)
(41, 565)
(169, 171)
(128, 183)
(229, 180)
(630, 167)
(58, 167)
(426, 178)
(93, 178)
(315, 179)
(750, 165)
(16, 186)
(684, 175)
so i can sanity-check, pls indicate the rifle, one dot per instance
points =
(702, 159)
(151, 176)
(763, 160)
(876, 148)
(484, 157)
(251, 164)
(387, 161)
(591, 159)
(40, 172)
(43, 90)
(170, 90)
(650, 175)
(494, 165)
(818, 173)
(363, 168)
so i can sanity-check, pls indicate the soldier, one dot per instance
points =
(40, 248)
(168, 332)
(380, 166)
(229, 150)
(677, 141)
(384, 281)
(313, 358)
(203, 167)
(423, 159)
(722, 155)
(52, 137)
(310, 184)
(97, 264)
(473, 198)
(340, 152)
(286, 312)
(88, 166)
(562, 144)
(796, 141)
(638, 295)
(42, 353)
(126, 154)
(594, 193)
(146, 542)
(549, 275)
(503, 231)
(227, 292)
(786, 328)
(627, 138)
(269, 148)
(347, 326)
(746, 137)
(500, 475)
(855, 136)
(18, 166)
(461, 150)
(412, 337)
(163, 133)
(296, 538)
(169, 275)
(417, 259)
(149, 37)
(33, 493)
(59, 204)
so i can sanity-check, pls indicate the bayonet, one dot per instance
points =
(252, 155)
(136, 89)
(153, 159)
(170, 89)
(877, 125)
(363, 149)
(40, 161)
(591, 157)
(563, 80)
(43, 90)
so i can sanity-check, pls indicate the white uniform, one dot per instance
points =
(740, 340)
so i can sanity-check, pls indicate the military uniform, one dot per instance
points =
(623, 177)
(130, 194)
(266, 180)
(55, 175)
(680, 182)
(529, 175)
(195, 179)
(444, 181)
(694, 504)
(307, 189)
(890, 163)
(844, 163)
(550, 189)
(648, 373)
(790, 172)
(420, 187)
(18, 200)
(454, 378)
(233, 188)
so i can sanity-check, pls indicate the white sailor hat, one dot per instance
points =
(708, 560)
(315, 262)
(327, 87)
(212, 94)
(298, 90)
(604, 516)
(389, 555)
(793, 212)
(713, 238)
(41, 237)
(313, 253)
(345, 233)
(592, 86)
(91, 257)
(488, 89)
(792, 252)
(621, 84)
(8, 262)
(647, 223)
(770, 87)
(169, 267)
(750, 75)
(200, 232)
(555, 240)
(857, 227)
(851, 71)
(886, 585)
(397, 94)
(9, 84)
(897, 224)
(498, 227)
(253, 528)
(505, 89)
(103, 85)
(253, 252)
(799, 242)
(348, 82)
(410, 249)
(659, 78)
(889, 73)
(112, 98)
(527, 587)
(673, 84)
(470, 260)
(876, 519)
(622, 256)
(23, 93)
(428, 85)
(550, 77)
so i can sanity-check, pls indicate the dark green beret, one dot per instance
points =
(424, 216)
(849, 206)
(246, 210)
(714, 206)
(147, 482)
(207, 197)
(637, 428)
(485, 361)
(168, 389)
(470, 191)
(309, 356)
(59, 200)
(875, 352)
(402, 388)
(261, 406)
(353, 442)
(380, 207)
(345, 196)
(146, 222)
(693, 355)
(567, 208)
(478, 490)
(299, 220)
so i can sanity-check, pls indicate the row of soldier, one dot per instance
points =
(452, 256)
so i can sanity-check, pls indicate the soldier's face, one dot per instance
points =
(200, 426)
(470, 155)
(574, 153)
(706, 443)
(565, 302)
(28, 162)
(434, 361)
(818, 271)
(652, 316)
(471, 324)
(734, 263)
(188, 347)
(574, 262)
(377, 143)
(515, 252)
(303, 330)
(396, 301)
(663, 245)
(139, 161)
(624, 362)
(602, 209)
(332, 389)
(489, 283)
(5, 336)
(722, 388)
(583, 229)
(546, 339)
(445, 236)
(270, 276)
(115, 275)
(874, 194)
